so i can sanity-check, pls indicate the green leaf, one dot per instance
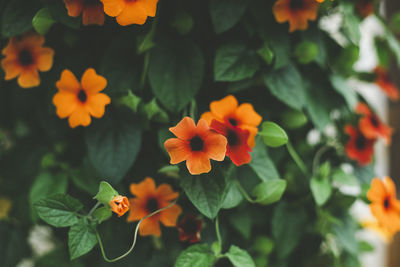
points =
(288, 224)
(239, 257)
(59, 210)
(341, 178)
(350, 22)
(234, 62)
(233, 197)
(102, 214)
(226, 13)
(269, 191)
(195, 256)
(113, 144)
(341, 86)
(176, 85)
(266, 53)
(273, 135)
(81, 239)
(42, 21)
(287, 85)
(145, 42)
(321, 190)
(345, 235)
(106, 193)
(261, 163)
(17, 17)
(46, 185)
(364, 246)
(207, 192)
(116, 65)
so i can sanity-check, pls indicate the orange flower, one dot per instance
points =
(384, 205)
(130, 11)
(237, 149)
(297, 12)
(374, 226)
(227, 110)
(24, 57)
(385, 83)
(359, 147)
(78, 101)
(195, 144)
(148, 200)
(189, 229)
(365, 8)
(92, 10)
(371, 126)
(119, 205)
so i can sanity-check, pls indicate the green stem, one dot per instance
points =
(318, 156)
(297, 159)
(217, 231)
(144, 71)
(243, 191)
(134, 237)
(93, 209)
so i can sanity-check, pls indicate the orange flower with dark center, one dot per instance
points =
(119, 205)
(384, 205)
(130, 12)
(195, 144)
(24, 57)
(385, 83)
(371, 126)
(237, 149)
(297, 12)
(92, 10)
(80, 100)
(227, 110)
(365, 8)
(150, 199)
(189, 229)
(359, 147)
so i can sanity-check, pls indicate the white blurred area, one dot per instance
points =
(370, 28)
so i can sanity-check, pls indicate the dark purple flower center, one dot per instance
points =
(152, 205)
(233, 121)
(296, 4)
(82, 96)
(25, 57)
(233, 138)
(196, 143)
(360, 142)
(386, 203)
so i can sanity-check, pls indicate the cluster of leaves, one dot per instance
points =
(192, 53)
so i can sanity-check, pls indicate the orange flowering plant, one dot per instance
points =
(178, 133)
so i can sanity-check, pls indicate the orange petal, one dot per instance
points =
(68, 82)
(93, 15)
(202, 128)
(216, 146)
(390, 187)
(144, 188)
(74, 7)
(363, 109)
(92, 82)
(281, 12)
(11, 68)
(96, 104)
(150, 6)
(113, 7)
(45, 59)
(32, 40)
(12, 48)
(80, 116)
(165, 193)
(29, 78)
(150, 226)
(377, 191)
(198, 163)
(246, 115)
(136, 211)
(209, 117)
(185, 129)
(177, 150)
(133, 13)
(224, 107)
(253, 132)
(169, 216)
(65, 103)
